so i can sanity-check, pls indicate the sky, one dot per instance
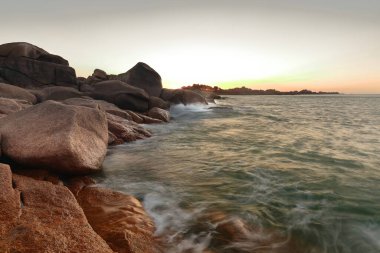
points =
(328, 45)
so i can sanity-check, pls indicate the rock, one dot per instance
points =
(104, 105)
(209, 96)
(51, 135)
(8, 106)
(98, 73)
(158, 102)
(38, 216)
(160, 114)
(136, 117)
(121, 94)
(150, 120)
(122, 130)
(180, 96)
(229, 228)
(28, 66)
(85, 87)
(119, 219)
(57, 93)
(38, 174)
(9, 202)
(11, 91)
(144, 77)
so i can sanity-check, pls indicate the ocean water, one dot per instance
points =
(283, 173)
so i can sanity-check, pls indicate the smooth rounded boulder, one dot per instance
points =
(14, 92)
(51, 135)
(104, 105)
(57, 93)
(144, 77)
(121, 94)
(29, 66)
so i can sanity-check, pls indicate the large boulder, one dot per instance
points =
(180, 96)
(64, 138)
(14, 92)
(38, 216)
(29, 66)
(121, 94)
(56, 93)
(118, 218)
(144, 77)
(104, 105)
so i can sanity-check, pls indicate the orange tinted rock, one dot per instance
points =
(39, 174)
(119, 219)
(38, 216)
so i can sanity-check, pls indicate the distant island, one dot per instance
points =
(247, 91)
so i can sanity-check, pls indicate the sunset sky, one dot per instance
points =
(329, 45)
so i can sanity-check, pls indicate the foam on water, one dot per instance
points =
(291, 174)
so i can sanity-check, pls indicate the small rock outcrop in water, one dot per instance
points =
(26, 65)
(180, 96)
(158, 113)
(65, 138)
(38, 216)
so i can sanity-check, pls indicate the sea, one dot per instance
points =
(281, 174)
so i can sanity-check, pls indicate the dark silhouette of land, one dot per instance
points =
(247, 91)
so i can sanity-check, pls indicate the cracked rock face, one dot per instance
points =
(29, 66)
(38, 216)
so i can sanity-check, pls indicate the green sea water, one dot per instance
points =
(301, 172)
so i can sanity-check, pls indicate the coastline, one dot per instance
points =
(55, 129)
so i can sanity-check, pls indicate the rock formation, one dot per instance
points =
(118, 218)
(64, 138)
(180, 96)
(38, 216)
(52, 125)
(144, 77)
(121, 94)
(28, 66)
(11, 91)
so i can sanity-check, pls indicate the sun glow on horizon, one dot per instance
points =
(285, 45)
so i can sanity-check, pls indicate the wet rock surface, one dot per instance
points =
(118, 218)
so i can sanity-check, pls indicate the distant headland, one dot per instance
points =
(247, 91)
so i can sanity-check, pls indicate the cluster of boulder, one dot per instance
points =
(54, 129)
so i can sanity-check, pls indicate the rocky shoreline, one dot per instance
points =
(55, 129)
